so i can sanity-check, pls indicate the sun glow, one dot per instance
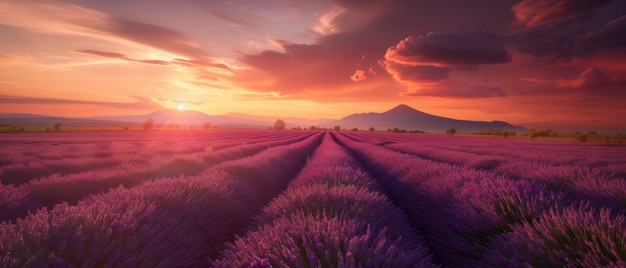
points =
(181, 107)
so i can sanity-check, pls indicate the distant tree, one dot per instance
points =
(582, 138)
(313, 128)
(279, 125)
(371, 129)
(206, 125)
(148, 124)
(57, 127)
(337, 128)
(354, 129)
(395, 130)
(125, 127)
(451, 131)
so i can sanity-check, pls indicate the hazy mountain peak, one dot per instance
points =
(403, 108)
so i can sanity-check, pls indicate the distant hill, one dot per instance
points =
(234, 120)
(34, 120)
(183, 118)
(402, 116)
(405, 117)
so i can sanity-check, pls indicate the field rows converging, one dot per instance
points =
(308, 199)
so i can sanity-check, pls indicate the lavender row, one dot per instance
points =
(18, 201)
(331, 215)
(461, 150)
(169, 222)
(605, 186)
(601, 181)
(23, 166)
(464, 212)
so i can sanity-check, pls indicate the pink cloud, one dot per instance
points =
(120, 56)
(359, 75)
(65, 18)
(456, 90)
(303, 67)
(419, 74)
(592, 77)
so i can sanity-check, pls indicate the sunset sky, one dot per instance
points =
(535, 63)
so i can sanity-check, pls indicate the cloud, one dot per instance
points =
(140, 103)
(592, 77)
(120, 56)
(230, 11)
(424, 63)
(562, 30)
(360, 4)
(449, 49)
(302, 67)
(611, 34)
(535, 13)
(55, 17)
(13, 58)
(419, 74)
(456, 90)
(355, 35)
(359, 75)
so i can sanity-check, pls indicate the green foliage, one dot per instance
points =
(371, 129)
(337, 128)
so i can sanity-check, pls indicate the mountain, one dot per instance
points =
(405, 117)
(402, 116)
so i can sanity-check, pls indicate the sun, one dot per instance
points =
(181, 107)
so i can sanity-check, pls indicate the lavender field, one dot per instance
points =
(308, 199)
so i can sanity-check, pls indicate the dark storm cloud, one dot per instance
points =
(423, 63)
(450, 49)
(562, 30)
(612, 34)
(535, 13)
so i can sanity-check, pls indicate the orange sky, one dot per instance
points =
(534, 63)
